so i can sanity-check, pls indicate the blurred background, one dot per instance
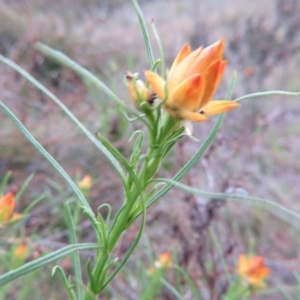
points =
(257, 151)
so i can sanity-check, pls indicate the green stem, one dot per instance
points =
(89, 294)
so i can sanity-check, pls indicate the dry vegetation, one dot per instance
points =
(257, 150)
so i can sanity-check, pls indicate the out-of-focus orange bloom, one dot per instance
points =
(7, 206)
(86, 182)
(138, 91)
(20, 251)
(191, 83)
(252, 270)
(164, 260)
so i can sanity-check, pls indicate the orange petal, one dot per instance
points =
(207, 57)
(157, 84)
(184, 52)
(177, 74)
(177, 112)
(213, 76)
(165, 259)
(243, 264)
(263, 273)
(218, 107)
(7, 206)
(195, 117)
(188, 93)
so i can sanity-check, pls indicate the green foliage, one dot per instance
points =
(141, 189)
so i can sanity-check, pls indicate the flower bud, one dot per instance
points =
(138, 91)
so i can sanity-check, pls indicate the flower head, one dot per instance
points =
(191, 83)
(252, 270)
(7, 206)
(86, 182)
(163, 262)
(20, 251)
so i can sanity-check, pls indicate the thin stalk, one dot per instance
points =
(75, 256)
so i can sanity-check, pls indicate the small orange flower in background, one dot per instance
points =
(20, 251)
(86, 182)
(191, 83)
(7, 206)
(252, 270)
(163, 262)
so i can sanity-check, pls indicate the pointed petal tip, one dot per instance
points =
(219, 106)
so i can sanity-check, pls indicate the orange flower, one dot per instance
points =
(162, 263)
(252, 270)
(191, 83)
(20, 251)
(86, 182)
(164, 260)
(7, 206)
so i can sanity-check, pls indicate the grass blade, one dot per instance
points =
(43, 261)
(144, 31)
(75, 255)
(268, 93)
(291, 217)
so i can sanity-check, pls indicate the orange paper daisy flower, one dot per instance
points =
(7, 206)
(191, 83)
(20, 251)
(252, 270)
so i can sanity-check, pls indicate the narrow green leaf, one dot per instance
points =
(108, 215)
(86, 75)
(23, 187)
(4, 182)
(160, 49)
(155, 65)
(33, 204)
(132, 247)
(268, 93)
(120, 158)
(26, 290)
(92, 282)
(220, 252)
(144, 31)
(285, 293)
(135, 156)
(194, 289)
(171, 289)
(291, 217)
(43, 261)
(75, 255)
(67, 283)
